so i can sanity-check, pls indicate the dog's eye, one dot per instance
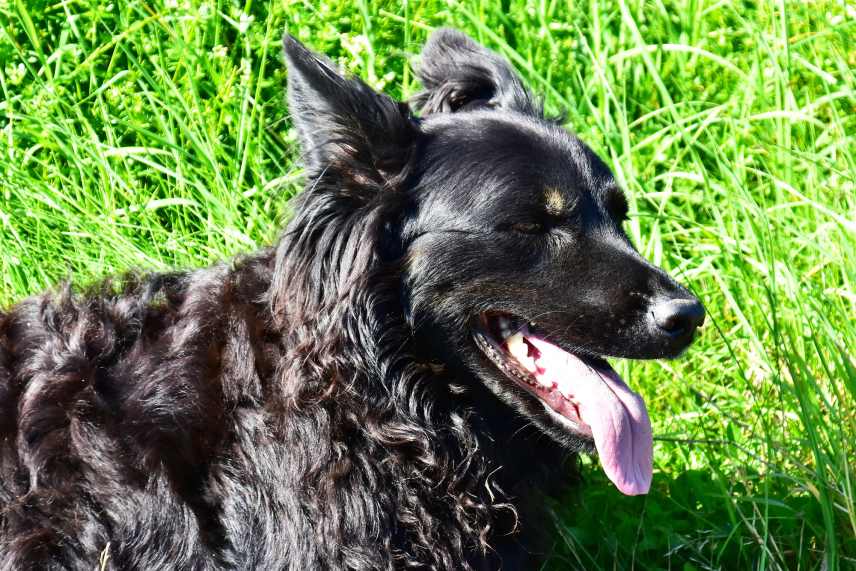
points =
(526, 227)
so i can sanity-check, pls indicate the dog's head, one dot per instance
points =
(509, 232)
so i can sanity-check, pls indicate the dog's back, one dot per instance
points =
(114, 401)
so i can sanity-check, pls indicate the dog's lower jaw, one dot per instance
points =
(591, 400)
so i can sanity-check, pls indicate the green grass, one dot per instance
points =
(149, 134)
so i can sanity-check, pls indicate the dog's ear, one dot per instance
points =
(346, 129)
(458, 74)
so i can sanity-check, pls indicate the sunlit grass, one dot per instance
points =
(138, 134)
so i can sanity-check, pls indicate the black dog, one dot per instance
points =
(392, 386)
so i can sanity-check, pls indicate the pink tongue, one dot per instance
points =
(617, 416)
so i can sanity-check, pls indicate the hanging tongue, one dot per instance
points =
(617, 416)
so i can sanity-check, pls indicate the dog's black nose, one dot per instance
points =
(678, 318)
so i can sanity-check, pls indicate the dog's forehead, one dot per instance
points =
(499, 161)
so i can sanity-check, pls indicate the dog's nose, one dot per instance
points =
(678, 317)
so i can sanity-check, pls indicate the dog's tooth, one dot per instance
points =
(520, 351)
(517, 347)
(529, 364)
(505, 327)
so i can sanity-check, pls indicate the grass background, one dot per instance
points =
(150, 134)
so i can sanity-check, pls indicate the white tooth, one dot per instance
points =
(520, 351)
(529, 365)
(505, 327)
(517, 347)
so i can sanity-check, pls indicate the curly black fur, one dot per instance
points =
(306, 407)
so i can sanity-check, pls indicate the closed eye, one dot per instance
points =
(522, 227)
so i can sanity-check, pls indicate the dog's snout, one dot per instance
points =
(678, 318)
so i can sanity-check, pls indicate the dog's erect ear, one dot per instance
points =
(346, 128)
(458, 74)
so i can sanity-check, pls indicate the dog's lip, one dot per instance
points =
(561, 408)
(596, 359)
(582, 395)
(482, 325)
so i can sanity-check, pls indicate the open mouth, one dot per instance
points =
(581, 393)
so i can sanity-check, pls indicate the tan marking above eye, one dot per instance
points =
(554, 201)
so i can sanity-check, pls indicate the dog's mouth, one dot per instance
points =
(581, 393)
